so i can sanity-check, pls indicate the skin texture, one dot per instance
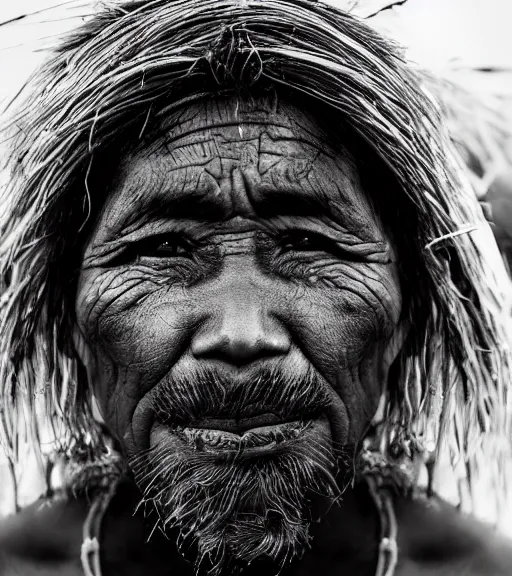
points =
(274, 257)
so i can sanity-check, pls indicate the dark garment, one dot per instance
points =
(433, 539)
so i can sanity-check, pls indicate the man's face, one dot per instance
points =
(237, 307)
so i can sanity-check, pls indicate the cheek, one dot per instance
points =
(346, 325)
(135, 331)
(351, 312)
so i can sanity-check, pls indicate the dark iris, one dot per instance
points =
(306, 241)
(165, 246)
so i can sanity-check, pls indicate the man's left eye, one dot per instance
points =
(302, 241)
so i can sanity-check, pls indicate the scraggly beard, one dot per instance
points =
(233, 506)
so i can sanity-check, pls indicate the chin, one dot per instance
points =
(239, 491)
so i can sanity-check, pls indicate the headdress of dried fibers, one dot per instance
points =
(131, 63)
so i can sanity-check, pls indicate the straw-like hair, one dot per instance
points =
(134, 61)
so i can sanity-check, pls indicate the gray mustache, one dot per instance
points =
(207, 394)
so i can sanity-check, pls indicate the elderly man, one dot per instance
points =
(239, 231)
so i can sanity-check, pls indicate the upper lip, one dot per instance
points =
(241, 425)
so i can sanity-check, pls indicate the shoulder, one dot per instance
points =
(43, 538)
(46, 538)
(435, 538)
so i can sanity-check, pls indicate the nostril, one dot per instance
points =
(241, 352)
(245, 352)
(238, 351)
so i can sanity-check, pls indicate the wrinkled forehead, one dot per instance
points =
(210, 157)
(277, 115)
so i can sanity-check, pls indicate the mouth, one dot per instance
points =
(255, 435)
(267, 436)
(240, 425)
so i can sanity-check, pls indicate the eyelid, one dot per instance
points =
(359, 253)
(368, 249)
(158, 227)
(155, 241)
(299, 234)
(332, 231)
(320, 243)
(305, 232)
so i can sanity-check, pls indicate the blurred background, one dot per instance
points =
(465, 44)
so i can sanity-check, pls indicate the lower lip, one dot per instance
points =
(260, 439)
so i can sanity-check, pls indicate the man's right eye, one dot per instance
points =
(164, 246)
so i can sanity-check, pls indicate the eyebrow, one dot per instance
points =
(291, 202)
(190, 204)
(196, 205)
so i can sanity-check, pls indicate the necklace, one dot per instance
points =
(388, 548)
(387, 555)
(90, 550)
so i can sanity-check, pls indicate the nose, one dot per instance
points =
(241, 330)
